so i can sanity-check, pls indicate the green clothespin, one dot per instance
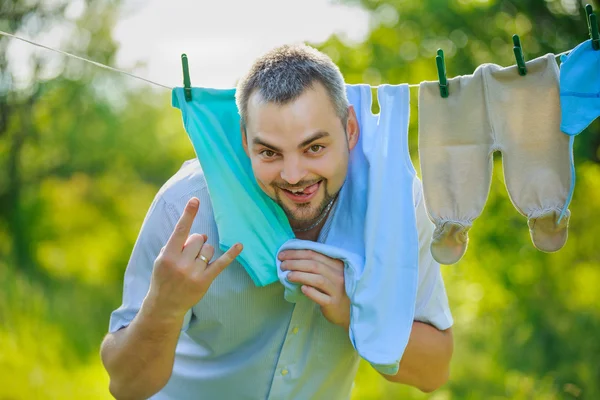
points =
(187, 84)
(518, 50)
(595, 35)
(588, 13)
(592, 21)
(441, 69)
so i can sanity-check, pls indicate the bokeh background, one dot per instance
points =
(84, 150)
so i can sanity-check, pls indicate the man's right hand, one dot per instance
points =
(181, 277)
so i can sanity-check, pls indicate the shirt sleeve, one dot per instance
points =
(432, 301)
(154, 234)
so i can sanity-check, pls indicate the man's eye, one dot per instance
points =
(315, 148)
(267, 153)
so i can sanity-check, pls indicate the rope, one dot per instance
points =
(132, 75)
(84, 59)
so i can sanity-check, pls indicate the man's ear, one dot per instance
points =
(244, 137)
(352, 128)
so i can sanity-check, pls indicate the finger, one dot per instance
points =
(207, 252)
(320, 298)
(313, 267)
(192, 246)
(215, 267)
(298, 255)
(182, 229)
(314, 280)
(306, 255)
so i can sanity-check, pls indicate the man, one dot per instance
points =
(240, 340)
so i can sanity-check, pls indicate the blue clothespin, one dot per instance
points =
(518, 50)
(592, 21)
(187, 84)
(441, 69)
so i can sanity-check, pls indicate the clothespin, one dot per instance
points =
(187, 84)
(595, 34)
(518, 50)
(592, 21)
(441, 69)
(588, 12)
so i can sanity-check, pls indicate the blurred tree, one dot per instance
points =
(22, 97)
(13, 16)
(82, 153)
(66, 120)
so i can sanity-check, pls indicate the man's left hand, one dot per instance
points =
(322, 280)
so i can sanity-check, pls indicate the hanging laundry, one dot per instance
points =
(375, 212)
(495, 109)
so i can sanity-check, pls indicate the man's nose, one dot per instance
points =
(293, 171)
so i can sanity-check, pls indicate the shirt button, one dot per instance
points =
(284, 372)
(295, 330)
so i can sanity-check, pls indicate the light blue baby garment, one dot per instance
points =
(374, 230)
(579, 96)
(579, 88)
(243, 212)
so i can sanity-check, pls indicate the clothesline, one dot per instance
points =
(412, 85)
(83, 59)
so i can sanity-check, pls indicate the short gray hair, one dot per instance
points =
(282, 75)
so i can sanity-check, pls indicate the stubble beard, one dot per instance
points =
(300, 216)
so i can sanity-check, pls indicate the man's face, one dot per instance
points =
(300, 147)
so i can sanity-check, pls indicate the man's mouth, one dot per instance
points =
(302, 195)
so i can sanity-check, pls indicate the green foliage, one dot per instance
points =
(82, 154)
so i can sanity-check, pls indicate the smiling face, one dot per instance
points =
(301, 146)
